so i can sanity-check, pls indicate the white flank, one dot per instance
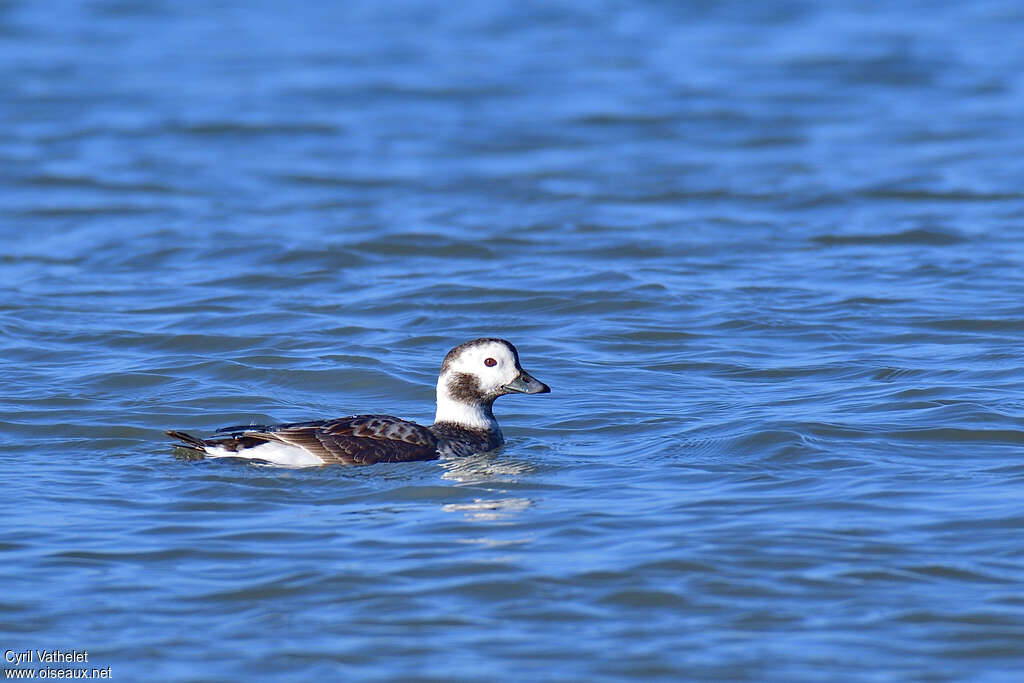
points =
(277, 453)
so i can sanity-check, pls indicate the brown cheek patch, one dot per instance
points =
(464, 388)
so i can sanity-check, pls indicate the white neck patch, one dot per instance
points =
(469, 415)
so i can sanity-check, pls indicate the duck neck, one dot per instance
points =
(475, 415)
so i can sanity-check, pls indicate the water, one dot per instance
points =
(768, 258)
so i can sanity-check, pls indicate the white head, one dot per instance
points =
(473, 375)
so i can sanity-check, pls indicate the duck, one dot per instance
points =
(472, 376)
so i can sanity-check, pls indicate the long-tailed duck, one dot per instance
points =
(472, 376)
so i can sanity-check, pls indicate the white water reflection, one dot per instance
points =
(485, 468)
(490, 510)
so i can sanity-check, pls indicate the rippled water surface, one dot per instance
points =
(767, 255)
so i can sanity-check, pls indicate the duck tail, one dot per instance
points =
(188, 441)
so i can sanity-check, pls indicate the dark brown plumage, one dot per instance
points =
(356, 440)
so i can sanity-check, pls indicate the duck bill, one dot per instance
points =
(526, 384)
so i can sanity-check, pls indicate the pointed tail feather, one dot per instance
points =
(188, 441)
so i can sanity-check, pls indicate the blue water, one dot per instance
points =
(767, 255)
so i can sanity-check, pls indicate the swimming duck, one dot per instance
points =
(472, 376)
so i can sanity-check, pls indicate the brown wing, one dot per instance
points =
(357, 440)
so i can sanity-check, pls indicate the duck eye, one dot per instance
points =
(490, 362)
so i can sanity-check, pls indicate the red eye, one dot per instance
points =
(490, 362)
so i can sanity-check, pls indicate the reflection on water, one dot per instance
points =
(490, 510)
(487, 471)
(486, 467)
